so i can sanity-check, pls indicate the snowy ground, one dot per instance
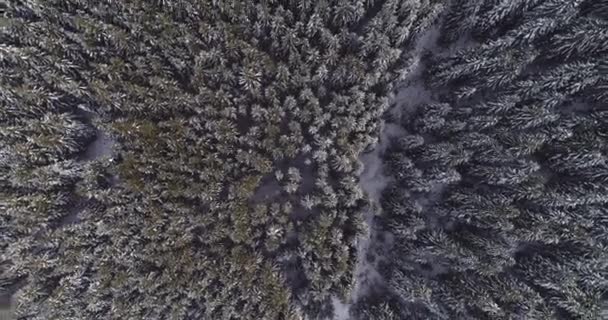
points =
(373, 181)
(410, 94)
(100, 147)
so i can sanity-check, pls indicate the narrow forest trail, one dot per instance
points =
(373, 179)
(411, 93)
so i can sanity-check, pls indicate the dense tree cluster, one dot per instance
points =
(499, 203)
(230, 189)
(200, 159)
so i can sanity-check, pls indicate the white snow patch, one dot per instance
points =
(410, 97)
(428, 40)
(341, 310)
(576, 106)
(103, 144)
(267, 191)
(101, 147)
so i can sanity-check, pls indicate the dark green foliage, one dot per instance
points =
(199, 159)
(225, 117)
(498, 207)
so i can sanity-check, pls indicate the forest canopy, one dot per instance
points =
(192, 159)
(498, 204)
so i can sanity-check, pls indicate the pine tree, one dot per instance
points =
(496, 205)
